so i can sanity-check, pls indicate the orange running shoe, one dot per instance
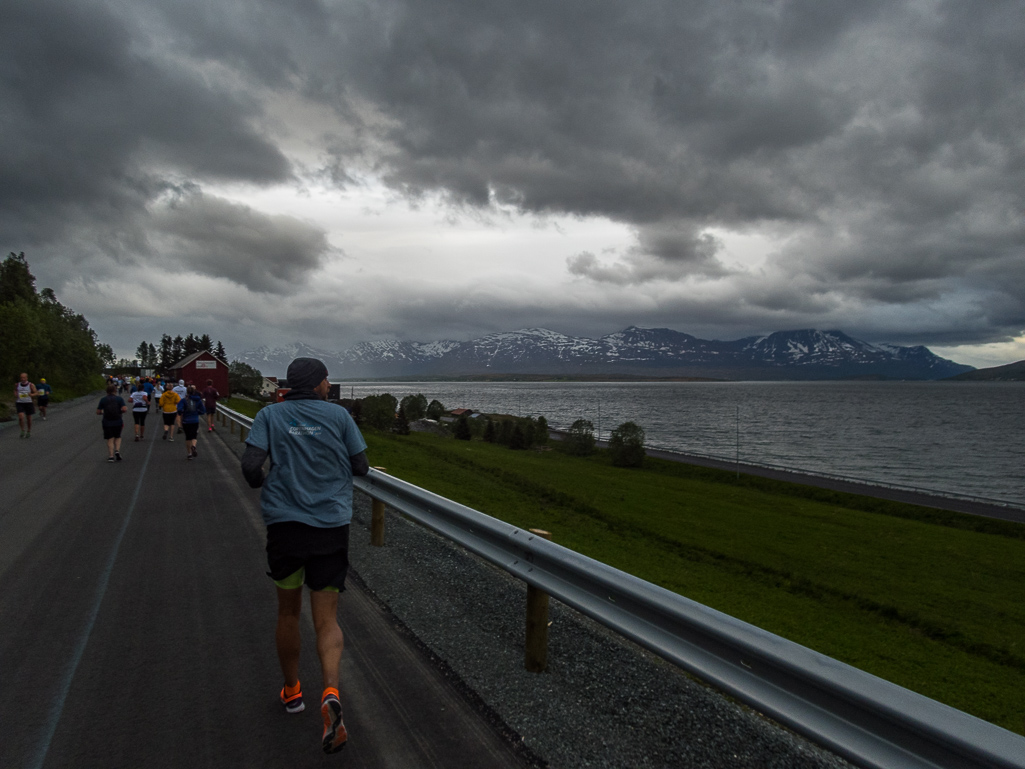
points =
(293, 704)
(335, 735)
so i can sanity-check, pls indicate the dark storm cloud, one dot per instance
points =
(213, 236)
(880, 141)
(889, 130)
(92, 123)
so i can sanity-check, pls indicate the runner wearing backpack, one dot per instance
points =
(189, 409)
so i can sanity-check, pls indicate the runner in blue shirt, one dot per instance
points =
(189, 409)
(44, 397)
(315, 449)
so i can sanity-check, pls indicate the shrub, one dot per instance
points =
(580, 441)
(379, 411)
(435, 410)
(415, 406)
(244, 379)
(626, 446)
(489, 431)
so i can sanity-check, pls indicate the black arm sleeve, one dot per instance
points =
(252, 466)
(360, 466)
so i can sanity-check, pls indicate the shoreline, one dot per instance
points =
(1005, 512)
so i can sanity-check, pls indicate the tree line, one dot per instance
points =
(171, 350)
(242, 378)
(385, 412)
(42, 337)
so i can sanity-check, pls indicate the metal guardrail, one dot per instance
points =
(865, 719)
(234, 418)
(868, 720)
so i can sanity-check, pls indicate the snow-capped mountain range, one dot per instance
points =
(805, 354)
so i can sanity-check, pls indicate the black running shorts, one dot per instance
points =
(191, 431)
(139, 417)
(112, 431)
(169, 418)
(323, 553)
(26, 408)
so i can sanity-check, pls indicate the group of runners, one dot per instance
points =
(181, 406)
(28, 395)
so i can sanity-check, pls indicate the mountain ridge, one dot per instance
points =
(634, 351)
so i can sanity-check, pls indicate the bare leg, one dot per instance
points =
(330, 640)
(290, 603)
(110, 447)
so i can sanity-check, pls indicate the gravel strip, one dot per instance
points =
(603, 702)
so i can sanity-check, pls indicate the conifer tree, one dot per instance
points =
(166, 357)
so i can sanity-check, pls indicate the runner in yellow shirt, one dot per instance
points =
(169, 407)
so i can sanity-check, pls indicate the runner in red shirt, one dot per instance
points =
(210, 396)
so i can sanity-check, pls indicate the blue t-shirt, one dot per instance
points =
(44, 390)
(191, 417)
(310, 478)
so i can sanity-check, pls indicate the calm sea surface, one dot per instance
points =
(962, 438)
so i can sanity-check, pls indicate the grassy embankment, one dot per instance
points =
(931, 600)
(242, 405)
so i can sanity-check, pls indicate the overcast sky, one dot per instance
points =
(336, 171)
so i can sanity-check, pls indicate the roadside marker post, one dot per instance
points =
(377, 520)
(536, 646)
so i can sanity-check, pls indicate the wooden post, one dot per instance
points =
(536, 646)
(232, 428)
(377, 519)
(241, 433)
(377, 523)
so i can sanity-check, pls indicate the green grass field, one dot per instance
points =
(242, 405)
(930, 600)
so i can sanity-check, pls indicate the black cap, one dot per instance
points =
(305, 373)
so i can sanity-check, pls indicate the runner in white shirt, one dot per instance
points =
(24, 392)
(140, 407)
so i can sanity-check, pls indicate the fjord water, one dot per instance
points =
(965, 438)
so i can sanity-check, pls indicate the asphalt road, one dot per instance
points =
(136, 623)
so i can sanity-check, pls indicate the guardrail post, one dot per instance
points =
(377, 523)
(231, 422)
(536, 646)
(241, 433)
(377, 520)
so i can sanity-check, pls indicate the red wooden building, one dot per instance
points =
(199, 367)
